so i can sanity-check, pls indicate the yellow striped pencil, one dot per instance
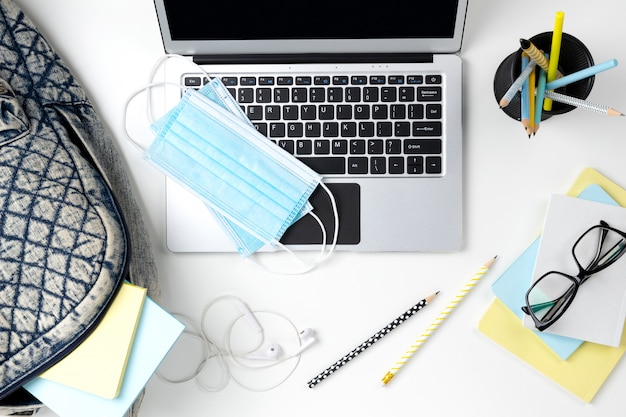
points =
(536, 55)
(437, 322)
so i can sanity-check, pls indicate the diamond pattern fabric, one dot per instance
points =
(63, 243)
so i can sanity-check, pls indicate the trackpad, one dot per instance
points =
(307, 231)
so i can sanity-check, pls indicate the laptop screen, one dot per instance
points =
(273, 26)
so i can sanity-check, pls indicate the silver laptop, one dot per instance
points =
(367, 95)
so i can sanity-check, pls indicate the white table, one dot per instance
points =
(111, 46)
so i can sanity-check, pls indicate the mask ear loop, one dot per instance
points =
(309, 265)
(323, 254)
(148, 88)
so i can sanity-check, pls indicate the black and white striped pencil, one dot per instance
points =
(369, 342)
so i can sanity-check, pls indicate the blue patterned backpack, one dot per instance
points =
(68, 219)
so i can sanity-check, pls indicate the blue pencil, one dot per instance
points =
(525, 117)
(541, 88)
(579, 75)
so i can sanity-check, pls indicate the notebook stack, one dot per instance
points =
(110, 368)
(579, 360)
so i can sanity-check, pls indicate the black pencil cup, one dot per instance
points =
(574, 56)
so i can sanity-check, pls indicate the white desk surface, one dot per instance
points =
(111, 45)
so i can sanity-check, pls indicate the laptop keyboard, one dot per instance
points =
(364, 125)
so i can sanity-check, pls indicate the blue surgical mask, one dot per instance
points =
(256, 189)
(246, 242)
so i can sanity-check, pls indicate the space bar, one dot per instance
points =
(326, 164)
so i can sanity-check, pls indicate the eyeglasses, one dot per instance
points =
(552, 294)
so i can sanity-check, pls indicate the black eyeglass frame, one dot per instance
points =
(561, 304)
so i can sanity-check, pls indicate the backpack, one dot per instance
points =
(70, 229)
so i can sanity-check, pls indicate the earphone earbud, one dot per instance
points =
(269, 352)
(307, 338)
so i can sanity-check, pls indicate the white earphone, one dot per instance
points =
(273, 351)
(269, 352)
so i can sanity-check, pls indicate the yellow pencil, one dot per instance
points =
(445, 313)
(555, 51)
(531, 99)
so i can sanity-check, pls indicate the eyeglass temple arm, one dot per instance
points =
(553, 305)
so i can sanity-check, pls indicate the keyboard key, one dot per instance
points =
(357, 147)
(357, 165)
(378, 165)
(321, 147)
(416, 111)
(348, 129)
(193, 81)
(353, 94)
(299, 95)
(335, 94)
(272, 112)
(290, 112)
(375, 147)
(303, 80)
(254, 112)
(281, 95)
(370, 94)
(433, 111)
(313, 130)
(358, 80)
(326, 164)
(388, 93)
(340, 80)
(395, 79)
(340, 147)
(264, 95)
(330, 129)
(422, 146)
(304, 147)
(295, 130)
(277, 130)
(407, 94)
(433, 79)
(393, 146)
(245, 95)
(317, 95)
(266, 80)
(366, 129)
(433, 165)
(308, 112)
(396, 165)
(247, 80)
(415, 79)
(344, 112)
(426, 128)
(428, 93)
(415, 165)
(362, 111)
(229, 81)
(284, 81)
(286, 145)
(321, 80)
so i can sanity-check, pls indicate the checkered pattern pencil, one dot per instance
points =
(369, 342)
(445, 313)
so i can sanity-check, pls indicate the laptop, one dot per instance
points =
(369, 97)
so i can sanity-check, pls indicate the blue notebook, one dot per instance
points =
(512, 285)
(156, 334)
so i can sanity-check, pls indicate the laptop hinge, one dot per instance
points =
(350, 58)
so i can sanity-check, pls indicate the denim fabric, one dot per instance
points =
(64, 196)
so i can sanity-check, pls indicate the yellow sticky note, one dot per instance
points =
(98, 364)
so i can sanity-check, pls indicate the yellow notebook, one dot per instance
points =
(98, 364)
(584, 372)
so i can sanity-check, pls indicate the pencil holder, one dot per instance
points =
(574, 56)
